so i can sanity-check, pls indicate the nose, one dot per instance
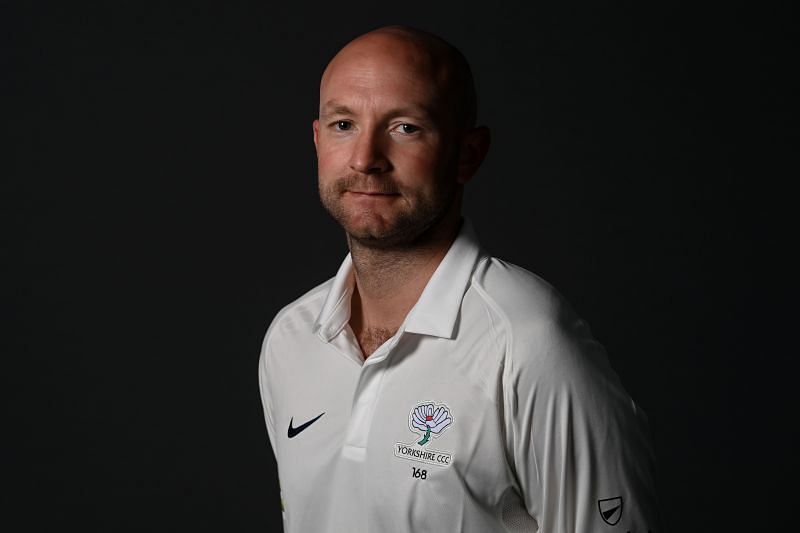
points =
(369, 155)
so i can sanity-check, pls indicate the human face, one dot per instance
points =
(386, 155)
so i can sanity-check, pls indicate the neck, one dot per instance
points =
(390, 281)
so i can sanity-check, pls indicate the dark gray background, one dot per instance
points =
(159, 206)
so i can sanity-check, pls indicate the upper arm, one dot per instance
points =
(579, 444)
(264, 388)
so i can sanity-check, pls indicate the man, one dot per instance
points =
(427, 386)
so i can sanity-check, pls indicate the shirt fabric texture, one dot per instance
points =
(491, 409)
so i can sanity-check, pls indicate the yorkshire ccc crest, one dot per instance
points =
(427, 420)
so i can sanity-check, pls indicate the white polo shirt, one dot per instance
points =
(491, 409)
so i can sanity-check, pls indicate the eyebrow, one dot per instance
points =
(334, 108)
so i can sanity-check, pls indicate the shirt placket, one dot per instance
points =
(365, 400)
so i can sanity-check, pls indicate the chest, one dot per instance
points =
(421, 427)
(370, 339)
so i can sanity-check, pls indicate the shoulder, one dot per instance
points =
(528, 308)
(299, 315)
(515, 292)
(543, 336)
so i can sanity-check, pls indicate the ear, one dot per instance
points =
(474, 147)
(315, 127)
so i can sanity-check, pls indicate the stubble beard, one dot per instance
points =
(407, 227)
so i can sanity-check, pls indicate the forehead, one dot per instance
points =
(384, 70)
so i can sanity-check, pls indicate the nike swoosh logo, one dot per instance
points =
(293, 432)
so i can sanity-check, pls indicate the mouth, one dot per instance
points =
(371, 199)
(373, 193)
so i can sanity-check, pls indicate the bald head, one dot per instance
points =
(423, 58)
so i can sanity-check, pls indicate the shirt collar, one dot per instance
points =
(436, 311)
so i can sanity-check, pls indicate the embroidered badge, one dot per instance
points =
(428, 420)
(610, 510)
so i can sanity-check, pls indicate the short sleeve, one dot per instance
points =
(580, 447)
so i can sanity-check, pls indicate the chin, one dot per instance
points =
(370, 228)
(400, 234)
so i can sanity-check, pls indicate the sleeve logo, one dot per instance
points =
(610, 510)
(428, 420)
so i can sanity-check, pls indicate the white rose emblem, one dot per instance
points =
(430, 419)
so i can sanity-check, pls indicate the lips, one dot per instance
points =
(370, 193)
(367, 186)
(370, 199)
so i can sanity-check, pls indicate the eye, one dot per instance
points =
(407, 129)
(343, 125)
